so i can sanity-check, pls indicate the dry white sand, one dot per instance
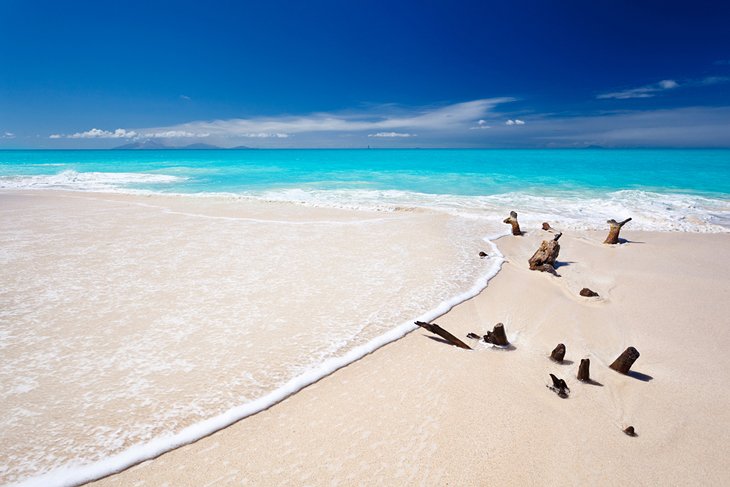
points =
(421, 412)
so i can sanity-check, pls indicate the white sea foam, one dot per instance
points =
(577, 211)
(587, 210)
(75, 474)
(85, 181)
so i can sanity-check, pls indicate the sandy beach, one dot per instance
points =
(419, 411)
(422, 412)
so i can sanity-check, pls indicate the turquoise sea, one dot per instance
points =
(668, 189)
(456, 172)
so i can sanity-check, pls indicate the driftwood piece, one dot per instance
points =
(546, 226)
(559, 353)
(497, 336)
(559, 387)
(614, 230)
(544, 258)
(512, 220)
(482, 254)
(584, 373)
(624, 362)
(630, 431)
(585, 292)
(437, 330)
(473, 336)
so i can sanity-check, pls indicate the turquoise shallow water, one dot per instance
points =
(686, 190)
(455, 172)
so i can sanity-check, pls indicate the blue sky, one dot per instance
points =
(352, 74)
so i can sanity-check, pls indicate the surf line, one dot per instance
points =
(70, 476)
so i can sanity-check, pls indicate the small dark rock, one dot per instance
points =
(546, 226)
(559, 353)
(473, 336)
(482, 254)
(559, 387)
(630, 431)
(585, 292)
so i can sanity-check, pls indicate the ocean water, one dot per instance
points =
(119, 345)
(663, 189)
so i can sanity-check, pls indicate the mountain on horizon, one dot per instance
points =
(154, 144)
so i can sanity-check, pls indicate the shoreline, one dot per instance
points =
(160, 445)
(528, 341)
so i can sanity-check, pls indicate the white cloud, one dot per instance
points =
(668, 84)
(100, 134)
(516, 121)
(7, 135)
(481, 124)
(128, 134)
(391, 134)
(266, 135)
(170, 134)
(185, 97)
(647, 91)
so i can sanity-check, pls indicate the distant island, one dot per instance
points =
(157, 145)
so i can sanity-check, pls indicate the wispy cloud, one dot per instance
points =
(713, 80)
(185, 97)
(391, 134)
(128, 134)
(646, 91)
(384, 118)
(383, 121)
(265, 135)
(7, 135)
(677, 127)
(516, 121)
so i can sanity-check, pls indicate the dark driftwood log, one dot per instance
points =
(546, 226)
(559, 353)
(482, 254)
(512, 220)
(584, 373)
(630, 431)
(560, 387)
(545, 257)
(437, 330)
(497, 336)
(585, 292)
(624, 362)
(614, 230)
(473, 336)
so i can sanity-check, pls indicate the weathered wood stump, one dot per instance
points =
(584, 373)
(437, 330)
(614, 230)
(544, 258)
(497, 336)
(546, 226)
(558, 353)
(482, 254)
(559, 387)
(624, 362)
(585, 292)
(630, 431)
(512, 220)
